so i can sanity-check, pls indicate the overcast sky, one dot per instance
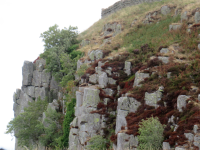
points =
(21, 22)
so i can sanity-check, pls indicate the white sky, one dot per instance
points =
(21, 22)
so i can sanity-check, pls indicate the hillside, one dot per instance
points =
(138, 62)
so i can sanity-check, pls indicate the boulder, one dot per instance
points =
(140, 77)
(151, 99)
(197, 17)
(195, 129)
(175, 26)
(189, 136)
(74, 123)
(103, 80)
(181, 102)
(166, 146)
(184, 16)
(27, 73)
(197, 141)
(165, 10)
(121, 120)
(125, 141)
(198, 46)
(169, 75)
(93, 78)
(165, 60)
(96, 54)
(79, 98)
(180, 148)
(37, 78)
(109, 91)
(111, 81)
(127, 68)
(54, 105)
(164, 50)
(91, 97)
(128, 103)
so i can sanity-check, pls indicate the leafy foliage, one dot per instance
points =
(26, 126)
(52, 128)
(151, 134)
(66, 125)
(97, 142)
(58, 43)
(82, 69)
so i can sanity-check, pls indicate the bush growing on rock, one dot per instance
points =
(151, 134)
(96, 143)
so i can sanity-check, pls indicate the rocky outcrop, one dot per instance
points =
(37, 82)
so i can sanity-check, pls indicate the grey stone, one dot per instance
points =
(93, 78)
(125, 141)
(165, 10)
(111, 81)
(46, 76)
(151, 99)
(175, 27)
(169, 75)
(180, 148)
(189, 136)
(103, 80)
(31, 91)
(79, 63)
(79, 99)
(100, 64)
(98, 70)
(91, 97)
(197, 141)
(127, 68)
(27, 73)
(37, 78)
(198, 46)
(121, 120)
(166, 146)
(96, 54)
(184, 16)
(74, 123)
(197, 17)
(41, 92)
(53, 84)
(128, 103)
(165, 60)
(195, 128)
(23, 101)
(109, 91)
(40, 63)
(181, 102)
(140, 77)
(164, 50)
(176, 127)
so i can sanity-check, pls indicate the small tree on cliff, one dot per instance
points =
(27, 126)
(57, 43)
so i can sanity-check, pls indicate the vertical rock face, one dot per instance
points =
(27, 73)
(36, 83)
(86, 124)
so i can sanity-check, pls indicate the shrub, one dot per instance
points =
(151, 134)
(82, 70)
(66, 125)
(96, 143)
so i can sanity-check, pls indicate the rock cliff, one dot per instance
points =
(120, 88)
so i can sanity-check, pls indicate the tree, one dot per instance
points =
(27, 126)
(151, 134)
(57, 43)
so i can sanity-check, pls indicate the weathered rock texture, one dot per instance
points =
(36, 83)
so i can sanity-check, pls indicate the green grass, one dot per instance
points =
(155, 34)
